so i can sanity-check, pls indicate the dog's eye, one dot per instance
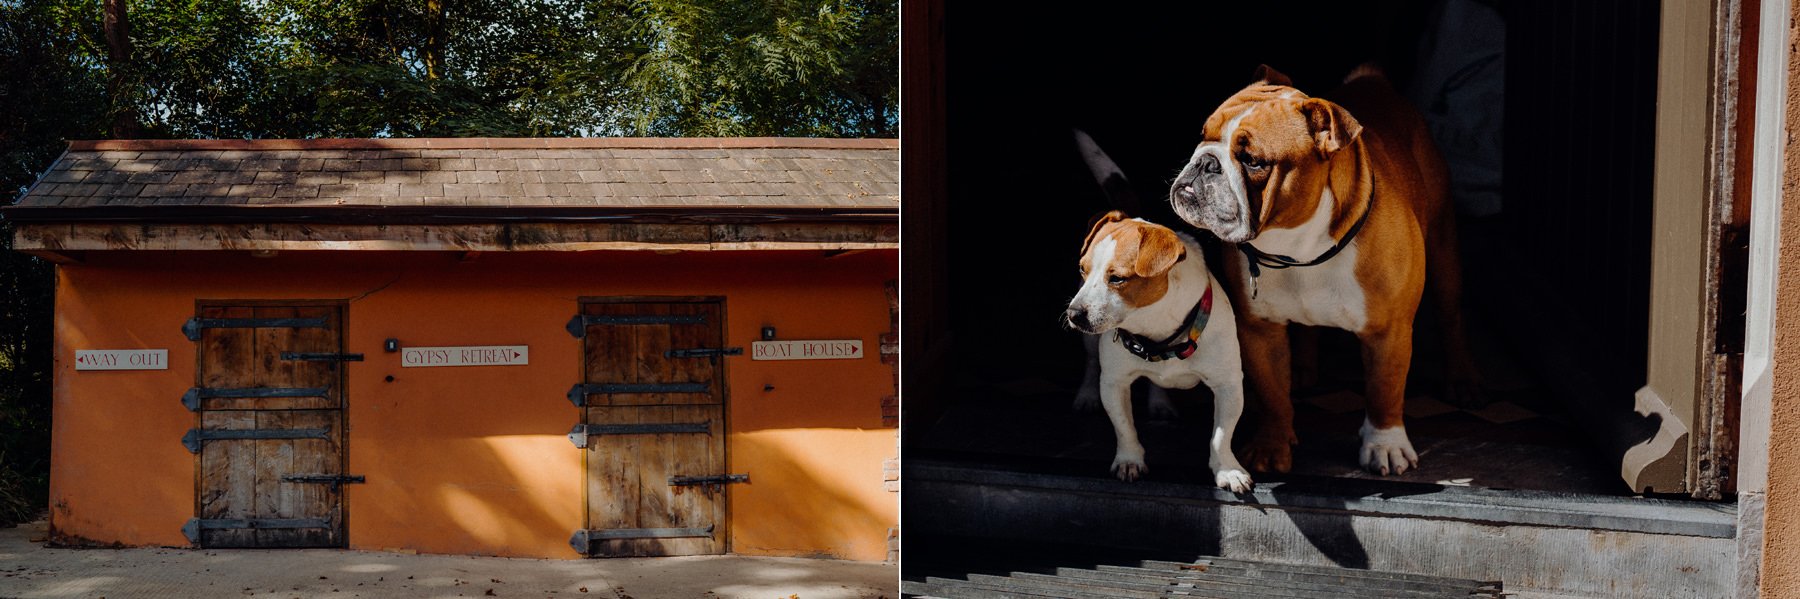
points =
(1115, 280)
(1251, 162)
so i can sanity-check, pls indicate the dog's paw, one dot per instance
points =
(1271, 450)
(1386, 451)
(1233, 479)
(1129, 467)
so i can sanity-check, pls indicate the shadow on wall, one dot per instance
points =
(503, 513)
(800, 502)
(813, 493)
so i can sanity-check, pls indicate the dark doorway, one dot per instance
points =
(1564, 249)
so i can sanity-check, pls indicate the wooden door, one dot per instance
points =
(269, 444)
(656, 421)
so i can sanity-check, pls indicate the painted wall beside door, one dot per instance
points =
(475, 460)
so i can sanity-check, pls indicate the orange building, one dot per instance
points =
(517, 347)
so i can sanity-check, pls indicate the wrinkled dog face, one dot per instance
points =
(1125, 265)
(1254, 159)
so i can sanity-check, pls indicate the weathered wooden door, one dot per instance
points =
(654, 429)
(269, 445)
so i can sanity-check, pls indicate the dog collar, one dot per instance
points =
(1181, 344)
(1260, 259)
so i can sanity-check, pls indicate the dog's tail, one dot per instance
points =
(1107, 174)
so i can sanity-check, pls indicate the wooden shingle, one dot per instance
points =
(672, 177)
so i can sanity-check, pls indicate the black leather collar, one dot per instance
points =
(1179, 345)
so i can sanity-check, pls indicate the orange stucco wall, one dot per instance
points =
(1781, 515)
(473, 460)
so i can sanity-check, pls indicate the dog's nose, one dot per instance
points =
(1077, 318)
(1209, 164)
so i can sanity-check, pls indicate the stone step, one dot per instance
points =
(1304, 535)
(1200, 579)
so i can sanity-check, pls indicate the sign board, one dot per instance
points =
(477, 355)
(807, 349)
(121, 359)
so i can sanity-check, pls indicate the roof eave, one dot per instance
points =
(445, 215)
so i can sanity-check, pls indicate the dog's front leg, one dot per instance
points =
(1265, 350)
(1128, 459)
(1228, 405)
(1387, 353)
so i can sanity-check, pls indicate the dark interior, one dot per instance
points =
(1557, 273)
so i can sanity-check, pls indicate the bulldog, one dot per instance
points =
(1169, 322)
(1334, 213)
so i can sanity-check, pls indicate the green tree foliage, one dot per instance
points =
(409, 68)
(361, 68)
(49, 92)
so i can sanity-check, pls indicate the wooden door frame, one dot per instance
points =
(1756, 392)
(343, 382)
(1702, 154)
(724, 374)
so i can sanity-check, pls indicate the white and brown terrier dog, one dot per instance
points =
(1330, 220)
(1171, 323)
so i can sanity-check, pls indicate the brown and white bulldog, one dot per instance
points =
(1335, 214)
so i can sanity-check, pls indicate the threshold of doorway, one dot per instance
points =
(1363, 496)
(1536, 541)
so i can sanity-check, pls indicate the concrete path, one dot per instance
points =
(29, 570)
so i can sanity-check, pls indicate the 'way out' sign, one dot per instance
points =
(121, 359)
(484, 355)
(807, 349)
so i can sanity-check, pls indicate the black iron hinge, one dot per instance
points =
(335, 480)
(578, 394)
(320, 357)
(579, 435)
(703, 352)
(196, 438)
(578, 325)
(716, 479)
(195, 395)
(195, 326)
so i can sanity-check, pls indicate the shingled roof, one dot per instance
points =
(466, 195)
(504, 178)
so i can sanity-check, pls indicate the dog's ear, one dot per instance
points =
(1158, 251)
(1267, 74)
(1099, 222)
(1331, 126)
